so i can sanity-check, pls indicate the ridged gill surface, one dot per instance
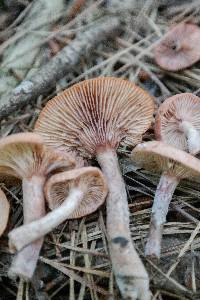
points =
(89, 179)
(4, 211)
(23, 155)
(96, 113)
(180, 47)
(159, 157)
(174, 111)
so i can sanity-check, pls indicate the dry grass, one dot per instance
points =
(74, 262)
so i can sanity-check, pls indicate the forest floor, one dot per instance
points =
(74, 261)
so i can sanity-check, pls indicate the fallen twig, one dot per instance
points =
(59, 65)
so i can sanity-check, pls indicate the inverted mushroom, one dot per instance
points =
(93, 118)
(178, 123)
(174, 165)
(71, 194)
(179, 48)
(24, 156)
(4, 211)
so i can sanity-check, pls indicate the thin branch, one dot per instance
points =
(59, 65)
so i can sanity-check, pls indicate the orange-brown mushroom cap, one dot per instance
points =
(100, 112)
(172, 113)
(4, 211)
(180, 47)
(88, 179)
(159, 157)
(23, 155)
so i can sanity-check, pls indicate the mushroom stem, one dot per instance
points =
(23, 235)
(162, 199)
(192, 135)
(129, 270)
(24, 263)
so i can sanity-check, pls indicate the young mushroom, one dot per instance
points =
(179, 48)
(4, 211)
(24, 156)
(178, 123)
(71, 194)
(93, 118)
(174, 165)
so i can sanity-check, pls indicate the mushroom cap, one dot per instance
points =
(23, 155)
(4, 211)
(173, 111)
(89, 179)
(96, 113)
(159, 157)
(179, 48)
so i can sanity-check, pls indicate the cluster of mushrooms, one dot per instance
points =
(91, 120)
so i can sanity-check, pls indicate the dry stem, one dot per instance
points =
(129, 270)
(24, 235)
(162, 199)
(24, 263)
(193, 137)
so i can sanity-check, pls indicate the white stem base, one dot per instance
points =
(24, 235)
(193, 137)
(162, 199)
(130, 273)
(24, 263)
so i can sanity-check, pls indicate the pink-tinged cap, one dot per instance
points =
(89, 179)
(171, 116)
(4, 211)
(159, 157)
(23, 155)
(96, 113)
(179, 48)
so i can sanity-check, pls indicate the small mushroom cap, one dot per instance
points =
(180, 108)
(23, 155)
(4, 211)
(88, 179)
(96, 113)
(159, 157)
(180, 47)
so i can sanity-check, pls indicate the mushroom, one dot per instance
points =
(179, 48)
(174, 165)
(4, 211)
(178, 123)
(93, 118)
(71, 195)
(24, 156)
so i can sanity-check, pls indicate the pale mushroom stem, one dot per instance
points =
(23, 235)
(162, 199)
(129, 270)
(193, 137)
(24, 263)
